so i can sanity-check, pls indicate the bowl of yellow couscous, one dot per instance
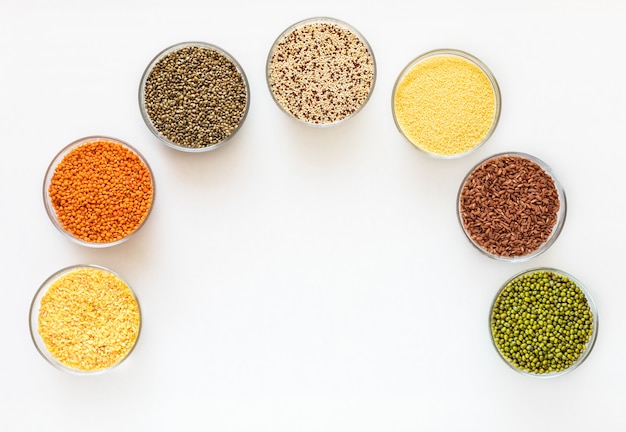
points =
(446, 103)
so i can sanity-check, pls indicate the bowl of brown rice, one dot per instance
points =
(511, 206)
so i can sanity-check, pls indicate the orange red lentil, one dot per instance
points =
(101, 191)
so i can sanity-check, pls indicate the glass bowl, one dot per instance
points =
(430, 99)
(321, 71)
(500, 211)
(540, 325)
(98, 191)
(85, 319)
(194, 96)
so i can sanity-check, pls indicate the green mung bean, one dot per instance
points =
(541, 322)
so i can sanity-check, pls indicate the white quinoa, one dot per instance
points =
(321, 72)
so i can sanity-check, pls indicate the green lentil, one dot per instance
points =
(541, 322)
(195, 96)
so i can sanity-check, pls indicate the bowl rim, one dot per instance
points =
(324, 20)
(142, 101)
(592, 307)
(468, 57)
(33, 316)
(50, 173)
(561, 213)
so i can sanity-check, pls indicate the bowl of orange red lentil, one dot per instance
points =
(85, 319)
(98, 191)
(446, 103)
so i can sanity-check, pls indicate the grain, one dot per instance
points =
(542, 322)
(445, 104)
(195, 96)
(101, 191)
(509, 205)
(88, 319)
(321, 72)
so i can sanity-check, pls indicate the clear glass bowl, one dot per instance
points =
(464, 148)
(81, 302)
(202, 146)
(543, 326)
(50, 208)
(315, 67)
(560, 214)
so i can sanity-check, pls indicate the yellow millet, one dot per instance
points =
(89, 319)
(445, 105)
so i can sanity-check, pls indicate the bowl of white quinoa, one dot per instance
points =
(321, 71)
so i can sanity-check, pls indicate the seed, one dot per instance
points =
(88, 319)
(446, 103)
(101, 191)
(509, 206)
(321, 71)
(526, 347)
(195, 96)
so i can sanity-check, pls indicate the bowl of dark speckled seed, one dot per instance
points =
(194, 96)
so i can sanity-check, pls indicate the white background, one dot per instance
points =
(308, 279)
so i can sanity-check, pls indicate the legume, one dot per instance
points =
(445, 104)
(88, 319)
(509, 206)
(101, 191)
(321, 71)
(541, 322)
(195, 96)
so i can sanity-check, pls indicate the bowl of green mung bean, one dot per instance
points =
(85, 319)
(543, 322)
(321, 71)
(194, 96)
